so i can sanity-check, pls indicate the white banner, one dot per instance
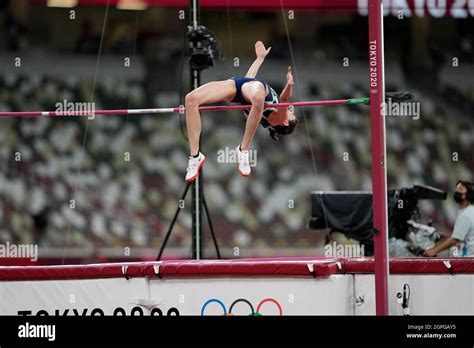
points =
(426, 294)
(180, 296)
(347, 294)
(73, 297)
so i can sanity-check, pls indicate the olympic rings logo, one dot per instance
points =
(247, 302)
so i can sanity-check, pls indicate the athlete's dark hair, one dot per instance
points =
(470, 189)
(275, 131)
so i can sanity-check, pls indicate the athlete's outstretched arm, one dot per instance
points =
(285, 95)
(261, 52)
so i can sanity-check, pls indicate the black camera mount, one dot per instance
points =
(204, 47)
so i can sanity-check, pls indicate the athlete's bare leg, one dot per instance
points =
(255, 93)
(208, 93)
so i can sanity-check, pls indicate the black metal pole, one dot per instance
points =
(211, 227)
(168, 234)
(197, 243)
(199, 205)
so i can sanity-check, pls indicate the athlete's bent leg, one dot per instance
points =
(211, 92)
(257, 98)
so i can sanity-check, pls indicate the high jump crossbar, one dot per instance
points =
(178, 109)
(396, 97)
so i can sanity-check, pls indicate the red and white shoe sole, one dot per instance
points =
(243, 174)
(197, 172)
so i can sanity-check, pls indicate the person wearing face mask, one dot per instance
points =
(464, 225)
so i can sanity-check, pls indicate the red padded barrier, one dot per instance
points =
(278, 267)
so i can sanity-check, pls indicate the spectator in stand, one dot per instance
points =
(463, 233)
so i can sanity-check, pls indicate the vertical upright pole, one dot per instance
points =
(197, 192)
(379, 168)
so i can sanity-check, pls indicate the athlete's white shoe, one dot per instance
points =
(244, 161)
(194, 165)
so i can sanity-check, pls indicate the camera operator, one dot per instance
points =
(464, 225)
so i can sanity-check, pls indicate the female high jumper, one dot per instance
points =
(246, 91)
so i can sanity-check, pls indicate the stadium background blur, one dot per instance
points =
(125, 204)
